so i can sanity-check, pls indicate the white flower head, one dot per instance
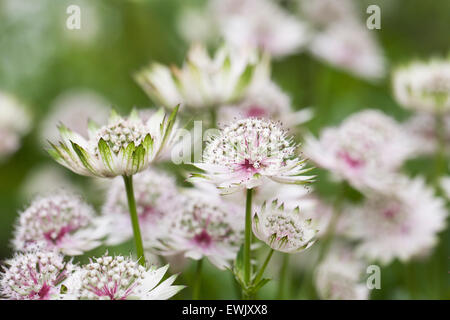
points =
(206, 227)
(247, 152)
(351, 47)
(60, 222)
(402, 222)
(424, 86)
(15, 122)
(367, 147)
(261, 24)
(120, 278)
(34, 275)
(203, 81)
(339, 276)
(156, 199)
(283, 230)
(123, 147)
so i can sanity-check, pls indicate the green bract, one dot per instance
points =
(122, 147)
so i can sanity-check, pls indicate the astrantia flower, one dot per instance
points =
(205, 227)
(120, 278)
(322, 13)
(350, 46)
(124, 146)
(62, 222)
(424, 86)
(202, 82)
(283, 230)
(35, 275)
(422, 130)
(247, 152)
(402, 222)
(14, 123)
(156, 199)
(366, 148)
(339, 276)
(261, 24)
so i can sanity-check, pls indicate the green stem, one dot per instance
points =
(134, 219)
(197, 280)
(248, 238)
(283, 276)
(440, 152)
(263, 268)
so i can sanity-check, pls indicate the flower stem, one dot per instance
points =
(197, 280)
(440, 152)
(134, 219)
(263, 268)
(248, 237)
(283, 277)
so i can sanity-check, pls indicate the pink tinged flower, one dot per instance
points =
(424, 86)
(34, 275)
(120, 278)
(60, 222)
(365, 149)
(157, 200)
(248, 152)
(124, 146)
(283, 230)
(401, 222)
(340, 275)
(205, 227)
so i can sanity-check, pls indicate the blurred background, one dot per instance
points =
(49, 68)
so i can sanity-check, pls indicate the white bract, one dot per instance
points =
(247, 152)
(123, 147)
(283, 230)
(203, 81)
(424, 86)
(120, 278)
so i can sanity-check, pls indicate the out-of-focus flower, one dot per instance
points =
(322, 13)
(350, 46)
(283, 230)
(34, 275)
(124, 146)
(120, 278)
(249, 151)
(59, 222)
(197, 25)
(424, 86)
(156, 199)
(338, 277)
(261, 24)
(445, 185)
(202, 82)
(402, 222)
(74, 108)
(365, 149)
(422, 129)
(15, 122)
(205, 227)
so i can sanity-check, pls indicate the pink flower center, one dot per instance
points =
(203, 239)
(248, 166)
(349, 160)
(56, 239)
(256, 112)
(43, 293)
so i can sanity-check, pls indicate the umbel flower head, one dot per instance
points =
(365, 149)
(205, 227)
(424, 86)
(123, 147)
(62, 222)
(402, 222)
(339, 276)
(203, 82)
(34, 275)
(156, 199)
(248, 151)
(285, 231)
(120, 278)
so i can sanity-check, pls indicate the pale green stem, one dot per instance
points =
(134, 219)
(197, 280)
(263, 268)
(283, 277)
(248, 238)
